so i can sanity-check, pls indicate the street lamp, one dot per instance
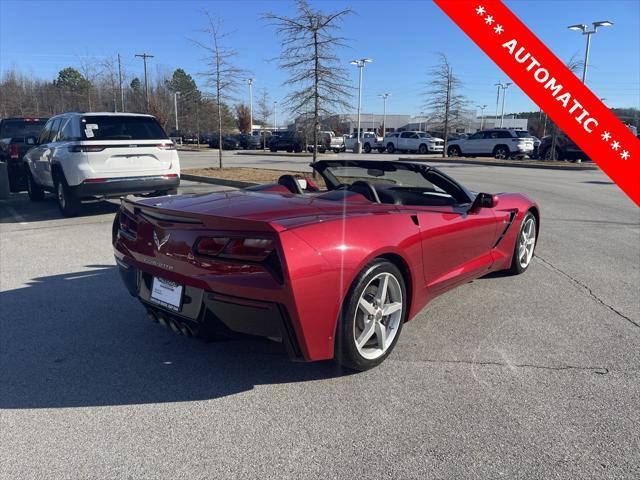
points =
(250, 83)
(585, 31)
(504, 87)
(481, 107)
(360, 64)
(384, 111)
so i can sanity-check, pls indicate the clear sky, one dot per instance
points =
(402, 37)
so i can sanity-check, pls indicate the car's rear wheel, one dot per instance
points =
(454, 151)
(525, 245)
(372, 316)
(36, 192)
(68, 202)
(391, 148)
(501, 152)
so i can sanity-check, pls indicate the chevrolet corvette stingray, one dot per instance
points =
(331, 273)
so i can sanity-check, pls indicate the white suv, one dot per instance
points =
(420, 142)
(88, 155)
(498, 143)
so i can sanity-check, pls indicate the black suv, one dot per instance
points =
(229, 142)
(288, 141)
(566, 149)
(15, 137)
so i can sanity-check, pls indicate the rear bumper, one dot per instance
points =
(219, 313)
(122, 186)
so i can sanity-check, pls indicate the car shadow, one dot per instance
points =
(78, 339)
(598, 182)
(20, 209)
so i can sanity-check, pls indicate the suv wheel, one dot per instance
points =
(36, 192)
(68, 202)
(501, 152)
(391, 148)
(454, 151)
(423, 149)
(548, 154)
(367, 148)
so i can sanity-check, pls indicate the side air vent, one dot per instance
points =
(512, 216)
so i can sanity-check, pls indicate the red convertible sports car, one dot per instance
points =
(330, 273)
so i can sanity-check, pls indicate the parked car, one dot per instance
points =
(87, 155)
(566, 149)
(229, 142)
(328, 141)
(249, 142)
(15, 135)
(420, 142)
(370, 141)
(289, 141)
(260, 261)
(499, 143)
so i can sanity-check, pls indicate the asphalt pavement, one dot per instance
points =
(534, 376)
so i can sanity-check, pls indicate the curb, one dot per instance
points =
(499, 164)
(216, 181)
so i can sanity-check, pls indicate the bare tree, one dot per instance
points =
(442, 98)
(222, 75)
(263, 105)
(309, 41)
(243, 116)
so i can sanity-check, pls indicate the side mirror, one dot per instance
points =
(483, 200)
(31, 140)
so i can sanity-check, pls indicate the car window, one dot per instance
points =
(53, 133)
(504, 134)
(115, 127)
(66, 131)
(21, 128)
(476, 136)
(44, 134)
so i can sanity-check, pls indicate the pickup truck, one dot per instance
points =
(419, 142)
(370, 141)
(17, 135)
(328, 141)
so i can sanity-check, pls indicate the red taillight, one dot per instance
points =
(250, 249)
(14, 153)
(166, 146)
(211, 246)
(128, 224)
(170, 175)
(86, 148)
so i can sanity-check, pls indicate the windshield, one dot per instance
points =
(113, 127)
(393, 174)
(424, 135)
(22, 128)
(523, 134)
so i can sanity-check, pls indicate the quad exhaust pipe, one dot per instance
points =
(178, 326)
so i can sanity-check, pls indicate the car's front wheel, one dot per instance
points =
(36, 192)
(372, 316)
(525, 245)
(391, 148)
(367, 148)
(68, 202)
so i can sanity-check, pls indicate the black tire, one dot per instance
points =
(422, 149)
(391, 148)
(501, 152)
(68, 203)
(346, 352)
(36, 192)
(454, 151)
(367, 148)
(517, 267)
(548, 154)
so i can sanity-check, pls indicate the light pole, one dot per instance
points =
(497, 103)
(504, 87)
(175, 108)
(360, 64)
(250, 82)
(384, 111)
(275, 115)
(585, 31)
(481, 107)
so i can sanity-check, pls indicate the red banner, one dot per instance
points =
(553, 87)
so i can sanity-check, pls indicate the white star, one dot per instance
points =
(606, 136)
(498, 29)
(488, 20)
(625, 154)
(480, 10)
(615, 145)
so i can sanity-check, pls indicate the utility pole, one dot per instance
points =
(250, 82)
(144, 57)
(481, 107)
(360, 64)
(384, 111)
(504, 94)
(120, 84)
(585, 31)
(497, 103)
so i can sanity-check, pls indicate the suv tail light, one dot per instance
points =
(86, 148)
(250, 249)
(166, 146)
(14, 153)
(128, 225)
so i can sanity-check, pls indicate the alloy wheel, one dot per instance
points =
(527, 242)
(501, 153)
(378, 316)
